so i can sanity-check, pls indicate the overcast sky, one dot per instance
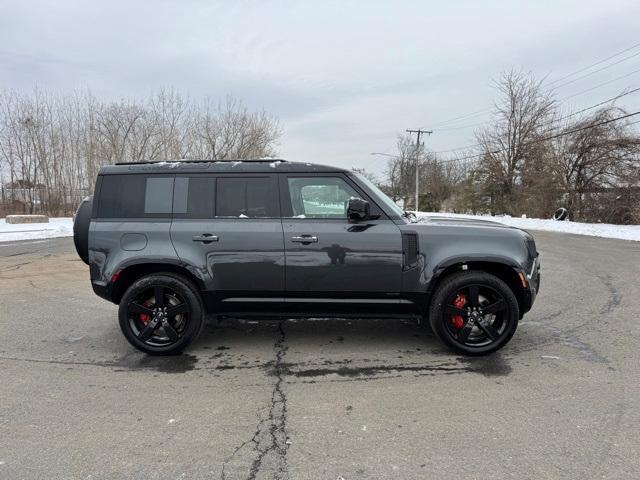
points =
(343, 77)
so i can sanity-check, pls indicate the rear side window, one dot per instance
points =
(194, 197)
(251, 197)
(135, 196)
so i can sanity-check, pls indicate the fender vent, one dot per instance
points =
(410, 250)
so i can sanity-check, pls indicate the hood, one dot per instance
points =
(461, 222)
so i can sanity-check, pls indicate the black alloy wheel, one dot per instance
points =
(161, 314)
(474, 312)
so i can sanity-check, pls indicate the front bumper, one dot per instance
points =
(530, 293)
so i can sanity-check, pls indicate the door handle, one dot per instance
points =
(205, 238)
(305, 239)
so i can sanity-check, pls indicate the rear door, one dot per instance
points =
(227, 228)
(327, 256)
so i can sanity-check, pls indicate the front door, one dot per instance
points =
(326, 255)
(228, 229)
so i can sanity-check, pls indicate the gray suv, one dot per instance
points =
(170, 242)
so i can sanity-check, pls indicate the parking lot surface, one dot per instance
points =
(322, 399)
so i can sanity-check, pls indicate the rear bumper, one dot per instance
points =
(103, 291)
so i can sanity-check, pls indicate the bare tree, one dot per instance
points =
(437, 178)
(597, 162)
(52, 146)
(518, 120)
(401, 170)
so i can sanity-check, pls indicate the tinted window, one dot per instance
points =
(135, 196)
(245, 197)
(194, 197)
(320, 197)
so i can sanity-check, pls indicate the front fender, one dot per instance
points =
(443, 247)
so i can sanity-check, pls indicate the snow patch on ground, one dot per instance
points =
(57, 227)
(604, 230)
(63, 227)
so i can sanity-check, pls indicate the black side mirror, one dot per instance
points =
(358, 210)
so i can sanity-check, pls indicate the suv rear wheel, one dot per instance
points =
(161, 314)
(474, 313)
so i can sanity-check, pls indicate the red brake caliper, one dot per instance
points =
(144, 318)
(456, 320)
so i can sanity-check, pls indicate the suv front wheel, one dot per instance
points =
(161, 314)
(474, 313)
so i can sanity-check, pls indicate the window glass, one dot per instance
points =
(320, 197)
(244, 197)
(194, 197)
(391, 205)
(135, 196)
(157, 198)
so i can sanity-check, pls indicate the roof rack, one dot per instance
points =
(252, 160)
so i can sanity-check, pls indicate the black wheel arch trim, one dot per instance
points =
(503, 267)
(129, 271)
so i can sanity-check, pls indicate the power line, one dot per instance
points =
(601, 85)
(462, 117)
(480, 112)
(595, 64)
(604, 102)
(462, 127)
(551, 137)
(596, 71)
(612, 99)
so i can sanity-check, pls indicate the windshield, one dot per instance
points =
(381, 195)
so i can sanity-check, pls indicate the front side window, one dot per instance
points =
(135, 196)
(320, 197)
(249, 197)
(383, 197)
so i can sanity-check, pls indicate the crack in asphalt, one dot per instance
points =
(270, 440)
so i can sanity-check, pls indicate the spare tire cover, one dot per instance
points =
(81, 229)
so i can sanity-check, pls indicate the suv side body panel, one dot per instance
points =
(345, 258)
(245, 256)
(246, 260)
(356, 259)
(118, 243)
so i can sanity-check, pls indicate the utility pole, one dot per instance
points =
(418, 145)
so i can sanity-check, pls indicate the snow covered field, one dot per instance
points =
(63, 227)
(624, 232)
(57, 227)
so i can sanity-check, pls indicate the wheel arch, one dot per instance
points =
(129, 274)
(504, 269)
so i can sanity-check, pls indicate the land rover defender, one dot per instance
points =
(171, 242)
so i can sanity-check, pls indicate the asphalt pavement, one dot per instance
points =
(322, 399)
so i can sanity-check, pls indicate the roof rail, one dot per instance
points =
(252, 160)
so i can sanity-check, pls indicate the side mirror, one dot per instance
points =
(358, 210)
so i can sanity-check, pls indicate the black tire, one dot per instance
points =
(561, 214)
(146, 319)
(484, 330)
(81, 222)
